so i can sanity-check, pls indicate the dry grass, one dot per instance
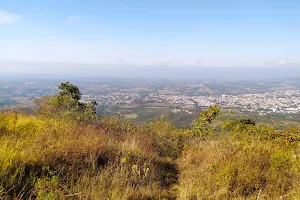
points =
(240, 165)
(48, 158)
(59, 159)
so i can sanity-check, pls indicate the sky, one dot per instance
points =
(182, 34)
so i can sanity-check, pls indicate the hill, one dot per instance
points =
(63, 151)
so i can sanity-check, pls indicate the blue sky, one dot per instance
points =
(211, 33)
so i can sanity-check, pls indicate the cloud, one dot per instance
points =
(199, 61)
(289, 63)
(73, 19)
(9, 18)
(283, 63)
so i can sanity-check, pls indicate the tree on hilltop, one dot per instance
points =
(69, 90)
(67, 105)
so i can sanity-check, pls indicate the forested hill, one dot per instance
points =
(64, 151)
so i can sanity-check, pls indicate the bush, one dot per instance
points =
(66, 105)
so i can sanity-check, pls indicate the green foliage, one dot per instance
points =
(67, 105)
(245, 121)
(238, 124)
(202, 125)
(46, 188)
(68, 89)
(210, 114)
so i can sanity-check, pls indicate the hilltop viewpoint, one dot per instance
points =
(63, 150)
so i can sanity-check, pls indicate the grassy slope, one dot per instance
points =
(44, 158)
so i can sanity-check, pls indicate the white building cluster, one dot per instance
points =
(265, 103)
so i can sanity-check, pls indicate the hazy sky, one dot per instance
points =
(185, 33)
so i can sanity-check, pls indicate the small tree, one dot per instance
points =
(67, 105)
(202, 125)
(210, 114)
(68, 89)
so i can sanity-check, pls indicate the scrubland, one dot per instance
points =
(51, 156)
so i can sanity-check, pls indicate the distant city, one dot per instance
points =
(139, 99)
(271, 102)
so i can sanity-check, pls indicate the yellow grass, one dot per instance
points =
(48, 158)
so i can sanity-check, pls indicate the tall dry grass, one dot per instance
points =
(243, 162)
(44, 158)
(56, 158)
